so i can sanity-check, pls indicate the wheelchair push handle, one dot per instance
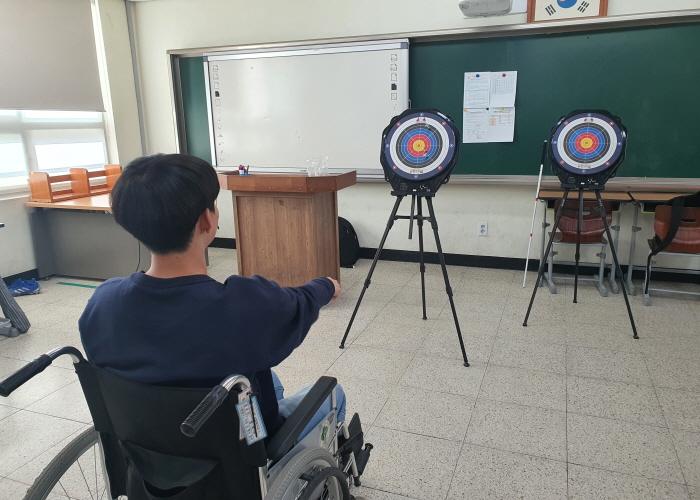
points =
(204, 410)
(23, 375)
(35, 367)
(190, 427)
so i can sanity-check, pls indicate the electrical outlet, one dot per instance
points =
(483, 229)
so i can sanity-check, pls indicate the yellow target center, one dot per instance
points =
(418, 145)
(586, 142)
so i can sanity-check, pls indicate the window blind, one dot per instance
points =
(48, 59)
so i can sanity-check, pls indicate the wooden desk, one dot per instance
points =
(637, 197)
(96, 202)
(80, 238)
(287, 225)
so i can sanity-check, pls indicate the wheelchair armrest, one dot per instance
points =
(286, 436)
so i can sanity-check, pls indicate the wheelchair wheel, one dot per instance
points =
(76, 472)
(311, 475)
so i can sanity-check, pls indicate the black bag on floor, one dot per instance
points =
(348, 244)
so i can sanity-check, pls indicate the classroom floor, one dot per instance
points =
(569, 407)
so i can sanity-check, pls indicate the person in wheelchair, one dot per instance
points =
(175, 326)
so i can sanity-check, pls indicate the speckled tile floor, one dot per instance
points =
(569, 407)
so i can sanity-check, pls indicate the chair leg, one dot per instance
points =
(647, 280)
(601, 272)
(549, 277)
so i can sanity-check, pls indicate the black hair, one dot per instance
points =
(159, 199)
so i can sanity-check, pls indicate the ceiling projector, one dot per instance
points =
(484, 8)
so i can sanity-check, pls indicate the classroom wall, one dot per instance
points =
(162, 25)
(177, 24)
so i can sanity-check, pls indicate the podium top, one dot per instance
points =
(286, 183)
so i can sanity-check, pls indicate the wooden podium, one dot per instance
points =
(286, 225)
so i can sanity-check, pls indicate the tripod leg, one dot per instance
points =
(420, 252)
(389, 224)
(603, 215)
(410, 218)
(448, 289)
(578, 241)
(543, 263)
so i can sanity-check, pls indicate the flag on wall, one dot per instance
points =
(551, 10)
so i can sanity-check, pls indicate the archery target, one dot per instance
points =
(419, 146)
(587, 143)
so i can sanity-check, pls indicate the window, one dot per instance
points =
(49, 141)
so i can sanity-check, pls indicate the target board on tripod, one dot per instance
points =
(420, 147)
(586, 147)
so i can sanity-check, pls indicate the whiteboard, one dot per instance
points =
(274, 109)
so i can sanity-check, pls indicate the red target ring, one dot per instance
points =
(419, 145)
(586, 143)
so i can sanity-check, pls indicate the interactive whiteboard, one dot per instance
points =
(273, 109)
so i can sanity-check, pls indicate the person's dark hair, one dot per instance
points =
(159, 199)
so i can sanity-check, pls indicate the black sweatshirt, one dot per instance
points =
(193, 331)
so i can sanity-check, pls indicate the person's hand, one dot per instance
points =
(336, 285)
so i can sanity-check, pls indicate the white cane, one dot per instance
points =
(534, 210)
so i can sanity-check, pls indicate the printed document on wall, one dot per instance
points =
(476, 125)
(489, 106)
(502, 93)
(501, 124)
(477, 87)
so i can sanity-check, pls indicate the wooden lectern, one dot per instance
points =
(286, 225)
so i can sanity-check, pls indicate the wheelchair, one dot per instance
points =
(152, 442)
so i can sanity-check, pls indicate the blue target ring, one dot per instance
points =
(574, 143)
(430, 146)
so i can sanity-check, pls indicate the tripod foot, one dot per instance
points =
(525, 323)
(466, 363)
(342, 346)
(636, 337)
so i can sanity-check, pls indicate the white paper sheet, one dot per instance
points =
(501, 124)
(476, 124)
(502, 94)
(489, 106)
(477, 87)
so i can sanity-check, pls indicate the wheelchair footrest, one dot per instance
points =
(352, 443)
(362, 458)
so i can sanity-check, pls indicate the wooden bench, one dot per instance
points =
(43, 186)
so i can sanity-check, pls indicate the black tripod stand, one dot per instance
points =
(420, 218)
(603, 215)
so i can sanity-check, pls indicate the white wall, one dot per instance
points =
(164, 25)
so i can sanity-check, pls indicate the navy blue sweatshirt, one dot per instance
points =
(193, 331)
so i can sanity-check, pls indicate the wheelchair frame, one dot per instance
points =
(286, 478)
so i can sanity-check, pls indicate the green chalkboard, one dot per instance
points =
(649, 77)
(194, 107)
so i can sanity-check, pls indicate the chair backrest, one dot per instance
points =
(687, 239)
(592, 229)
(146, 455)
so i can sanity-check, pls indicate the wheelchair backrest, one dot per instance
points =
(146, 455)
